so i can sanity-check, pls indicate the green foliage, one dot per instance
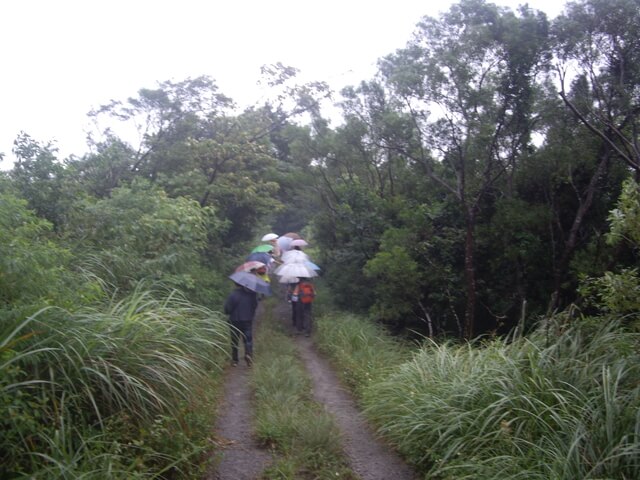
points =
(109, 383)
(522, 408)
(139, 232)
(361, 350)
(34, 269)
(619, 293)
(397, 278)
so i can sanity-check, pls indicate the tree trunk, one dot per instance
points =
(470, 275)
(572, 240)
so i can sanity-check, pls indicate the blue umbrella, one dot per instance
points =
(312, 265)
(260, 257)
(251, 281)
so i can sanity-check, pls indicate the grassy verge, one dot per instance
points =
(117, 391)
(362, 352)
(288, 420)
(503, 410)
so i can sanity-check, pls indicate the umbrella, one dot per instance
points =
(295, 270)
(294, 256)
(284, 242)
(269, 236)
(251, 265)
(251, 281)
(289, 280)
(293, 235)
(262, 248)
(260, 257)
(298, 242)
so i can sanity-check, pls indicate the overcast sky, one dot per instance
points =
(61, 58)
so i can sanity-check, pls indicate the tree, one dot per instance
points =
(474, 69)
(597, 43)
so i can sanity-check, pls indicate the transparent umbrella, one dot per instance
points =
(251, 281)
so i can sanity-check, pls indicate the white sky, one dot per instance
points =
(61, 58)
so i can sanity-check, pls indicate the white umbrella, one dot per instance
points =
(269, 236)
(298, 242)
(291, 256)
(295, 270)
(289, 280)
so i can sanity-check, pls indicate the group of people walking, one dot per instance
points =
(280, 256)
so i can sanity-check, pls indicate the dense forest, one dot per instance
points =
(485, 181)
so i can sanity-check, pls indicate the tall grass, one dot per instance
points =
(362, 350)
(517, 410)
(110, 383)
(525, 408)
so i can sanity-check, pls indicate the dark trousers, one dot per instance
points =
(242, 330)
(304, 317)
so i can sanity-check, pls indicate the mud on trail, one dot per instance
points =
(241, 458)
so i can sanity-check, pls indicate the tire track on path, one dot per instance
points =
(241, 457)
(369, 457)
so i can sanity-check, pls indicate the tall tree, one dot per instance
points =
(466, 83)
(597, 61)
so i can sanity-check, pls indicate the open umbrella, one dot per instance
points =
(289, 280)
(284, 243)
(298, 242)
(251, 281)
(312, 265)
(295, 270)
(262, 248)
(294, 256)
(269, 236)
(260, 257)
(293, 235)
(250, 265)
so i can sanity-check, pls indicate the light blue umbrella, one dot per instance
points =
(312, 265)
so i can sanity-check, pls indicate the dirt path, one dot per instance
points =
(241, 457)
(368, 456)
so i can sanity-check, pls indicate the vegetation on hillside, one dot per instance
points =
(482, 186)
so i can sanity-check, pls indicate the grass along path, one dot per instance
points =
(288, 419)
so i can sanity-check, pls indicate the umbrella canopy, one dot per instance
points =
(260, 257)
(293, 235)
(251, 265)
(289, 280)
(251, 281)
(291, 256)
(262, 248)
(284, 243)
(295, 270)
(269, 236)
(312, 265)
(298, 242)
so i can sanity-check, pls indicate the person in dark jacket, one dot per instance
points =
(241, 306)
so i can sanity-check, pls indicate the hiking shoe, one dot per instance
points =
(248, 359)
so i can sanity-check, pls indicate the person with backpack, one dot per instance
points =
(306, 294)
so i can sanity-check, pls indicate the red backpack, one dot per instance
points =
(306, 292)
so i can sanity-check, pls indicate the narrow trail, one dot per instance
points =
(241, 457)
(369, 457)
